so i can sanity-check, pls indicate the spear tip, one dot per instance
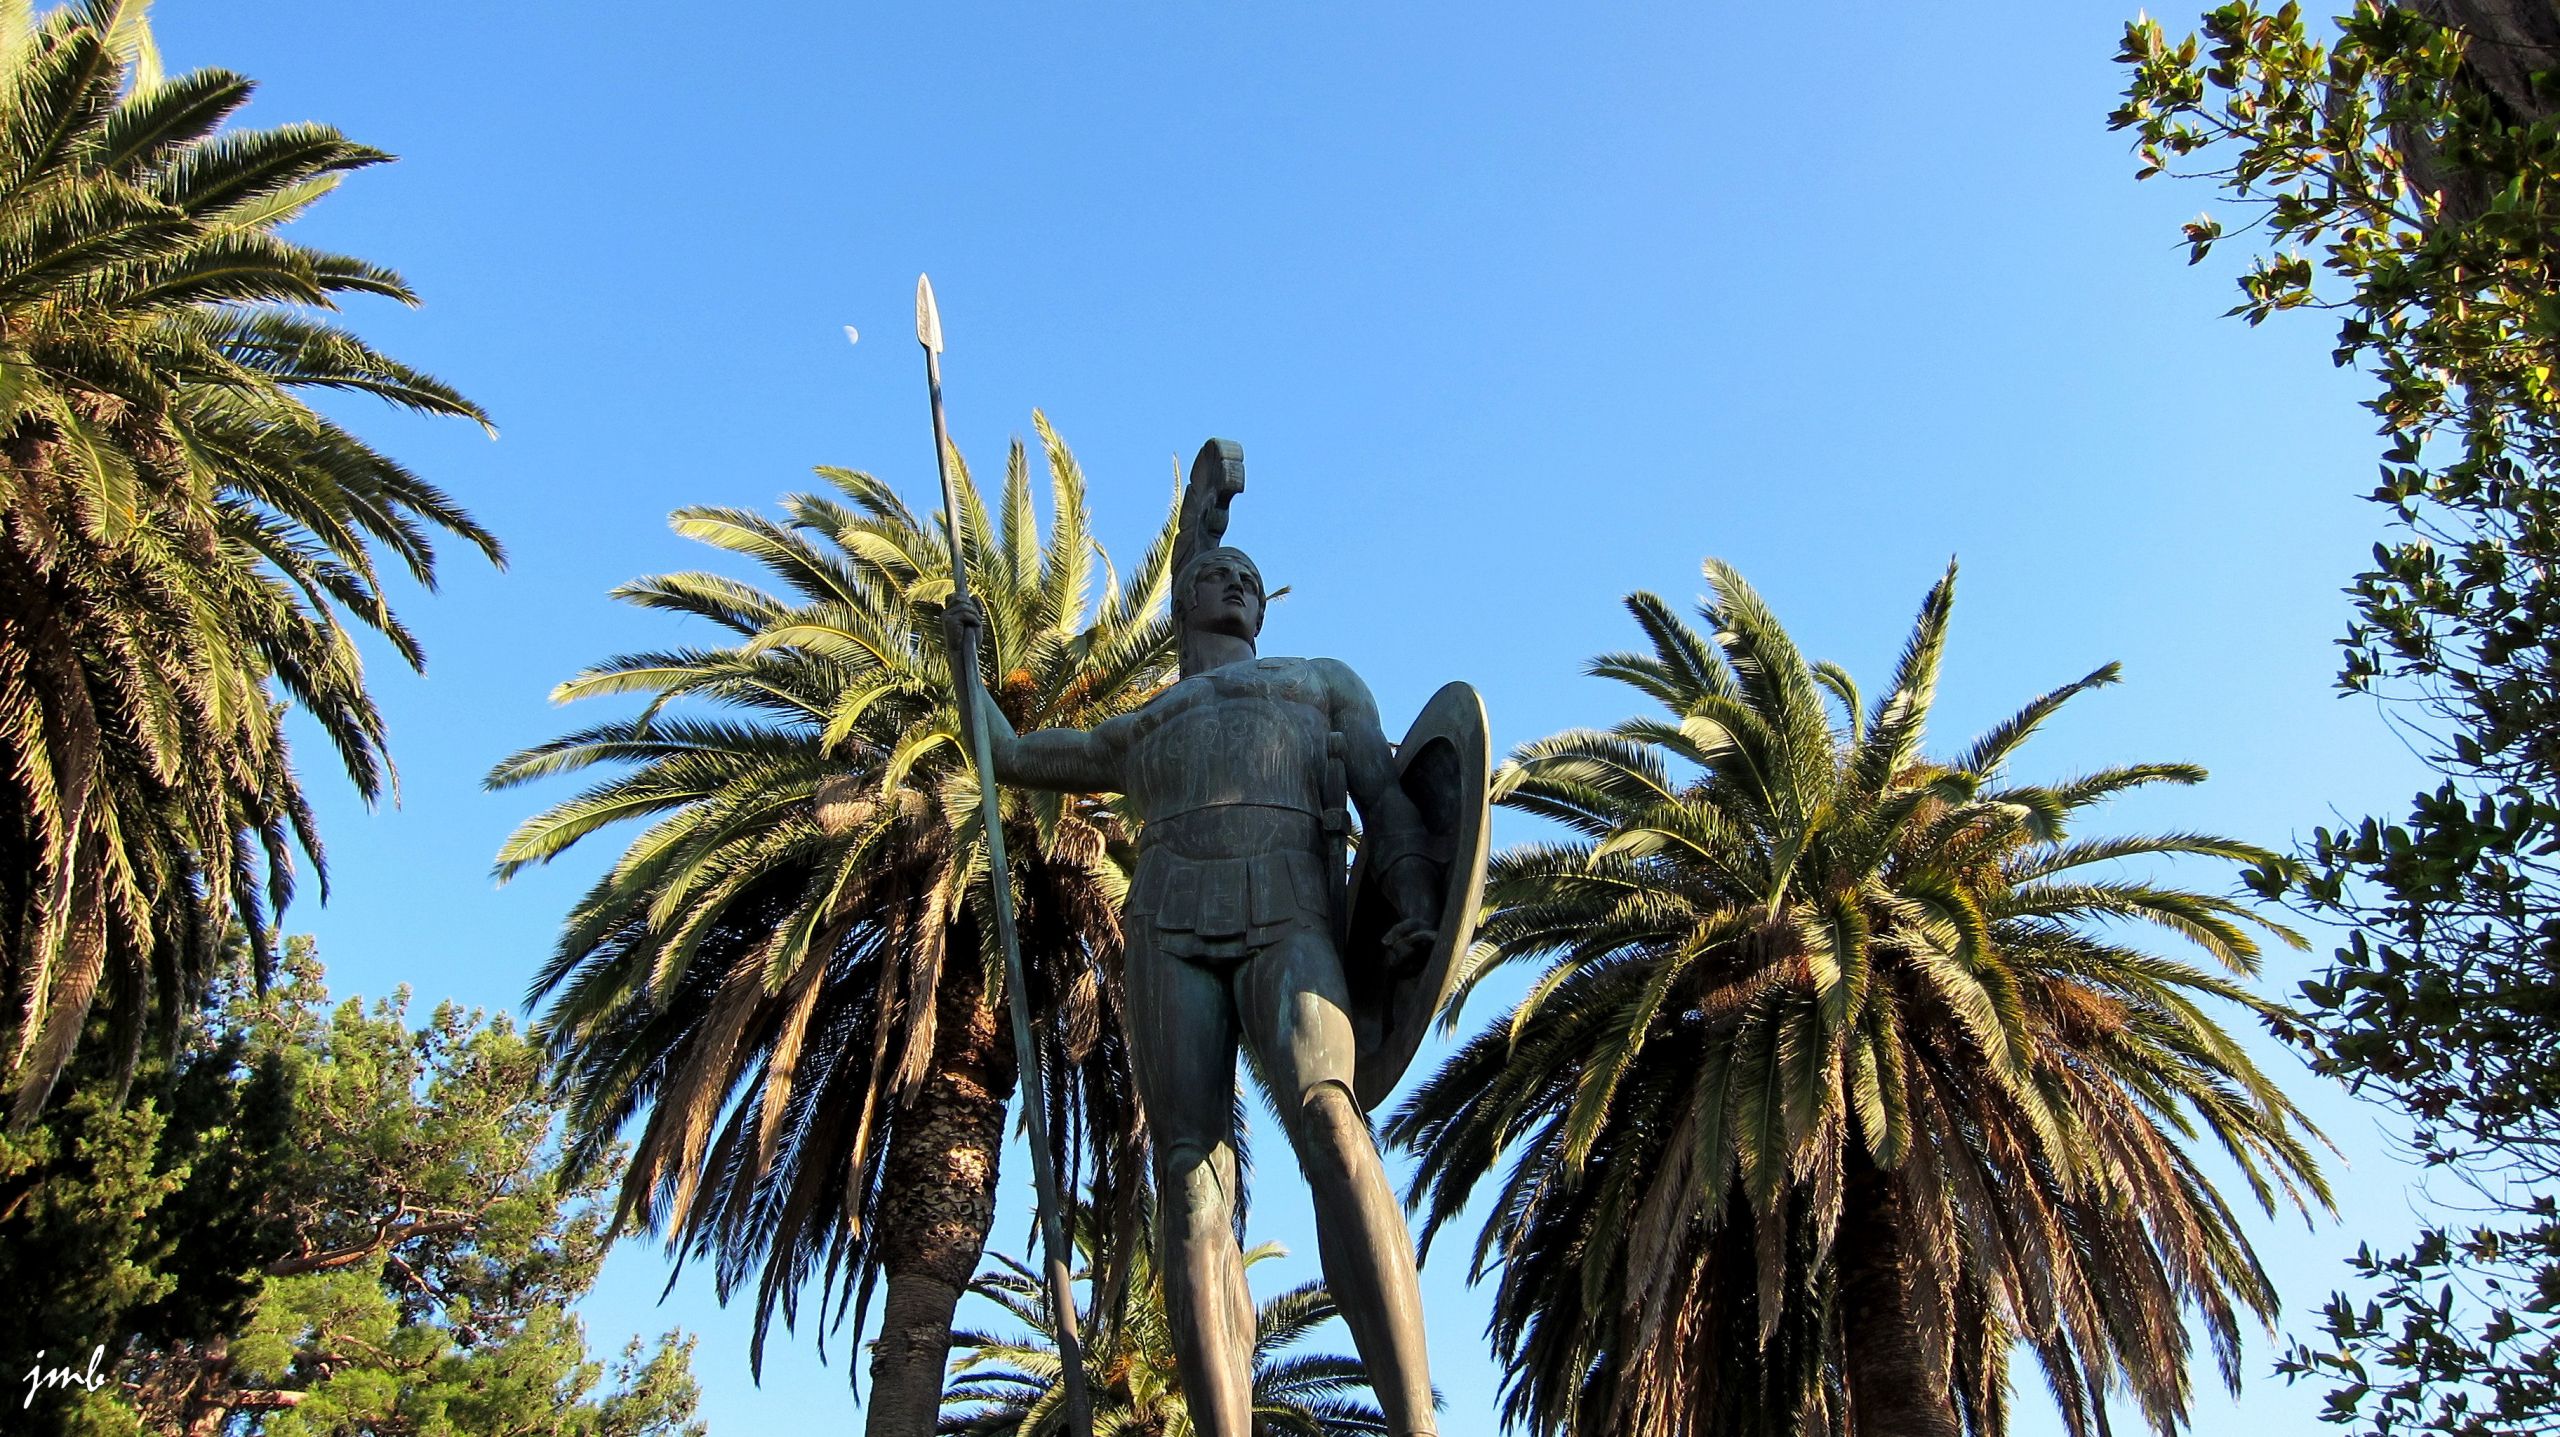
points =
(928, 317)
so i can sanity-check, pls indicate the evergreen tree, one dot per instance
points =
(313, 1219)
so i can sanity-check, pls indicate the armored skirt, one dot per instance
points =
(1222, 909)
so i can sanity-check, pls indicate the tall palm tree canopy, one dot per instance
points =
(185, 543)
(1844, 1073)
(777, 968)
(1009, 1385)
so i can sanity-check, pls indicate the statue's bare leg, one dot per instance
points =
(1295, 1011)
(1184, 1047)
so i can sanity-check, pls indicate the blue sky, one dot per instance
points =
(1515, 308)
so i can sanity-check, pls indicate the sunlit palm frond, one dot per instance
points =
(1012, 1384)
(769, 979)
(186, 545)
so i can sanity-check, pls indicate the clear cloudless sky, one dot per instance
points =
(1514, 307)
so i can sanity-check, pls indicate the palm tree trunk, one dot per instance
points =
(939, 1199)
(1894, 1389)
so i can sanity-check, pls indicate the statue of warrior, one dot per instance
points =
(1240, 926)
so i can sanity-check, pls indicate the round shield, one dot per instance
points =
(1444, 765)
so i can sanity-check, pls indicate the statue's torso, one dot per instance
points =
(1250, 734)
(1228, 770)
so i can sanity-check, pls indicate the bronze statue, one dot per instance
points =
(1240, 925)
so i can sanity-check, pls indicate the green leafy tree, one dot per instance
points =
(317, 1219)
(1839, 1078)
(789, 974)
(81, 1203)
(186, 545)
(147, 1215)
(2403, 171)
(1009, 1386)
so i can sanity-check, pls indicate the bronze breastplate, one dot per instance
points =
(1250, 735)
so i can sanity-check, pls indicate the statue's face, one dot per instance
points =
(1225, 596)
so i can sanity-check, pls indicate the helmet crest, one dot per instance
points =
(1217, 477)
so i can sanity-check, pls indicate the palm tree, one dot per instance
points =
(1842, 1077)
(1009, 1386)
(185, 544)
(790, 968)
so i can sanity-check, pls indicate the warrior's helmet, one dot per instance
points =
(1217, 477)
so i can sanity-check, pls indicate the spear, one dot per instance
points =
(1053, 1236)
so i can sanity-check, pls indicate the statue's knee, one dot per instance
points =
(1327, 1106)
(1194, 1178)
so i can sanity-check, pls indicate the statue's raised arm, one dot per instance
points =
(1060, 760)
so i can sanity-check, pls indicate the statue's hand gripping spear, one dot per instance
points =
(964, 664)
